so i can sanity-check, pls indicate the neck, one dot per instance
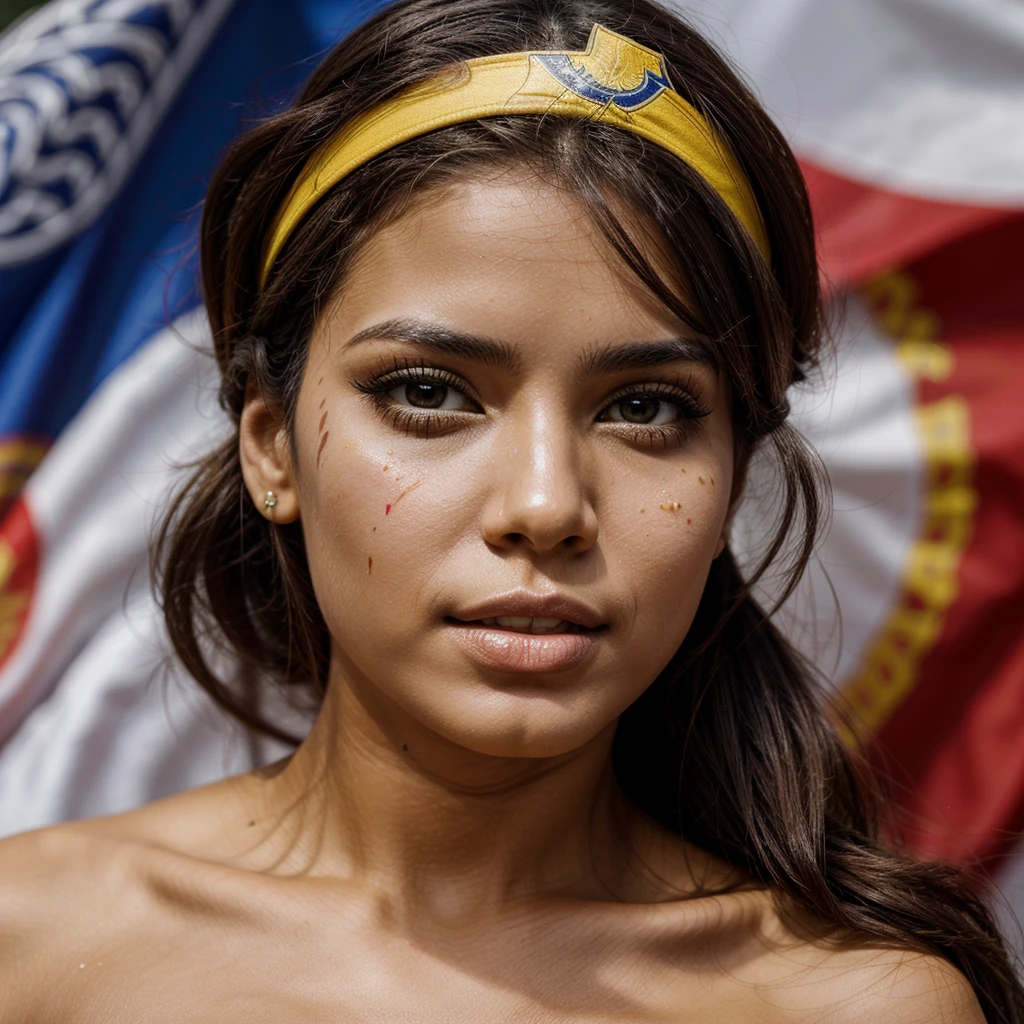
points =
(380, 800)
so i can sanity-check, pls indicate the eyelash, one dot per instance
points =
(409, 420)
(422, 423)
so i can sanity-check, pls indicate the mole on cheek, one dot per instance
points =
(700, 480)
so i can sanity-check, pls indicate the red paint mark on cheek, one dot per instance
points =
(319, 382)
(411, 487)
(320, 450)
(369, 564)
(323, 403)
(689, 521)
(643, 510)
(385, 469)
(323, 420)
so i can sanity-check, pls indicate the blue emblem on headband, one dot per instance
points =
(612, 69)
(583, 83)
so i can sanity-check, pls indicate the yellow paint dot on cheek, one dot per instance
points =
(670, 506)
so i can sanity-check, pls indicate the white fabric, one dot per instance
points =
(859, 415)
(917, 96)
(100, 723)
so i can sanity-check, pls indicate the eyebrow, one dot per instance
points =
(637, 355)
(594, 362)
(499, 354)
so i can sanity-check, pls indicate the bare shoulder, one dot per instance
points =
(897, 986)
(913, 988)
(72, 891)
(49, 871)
(56, 895)
(857, 982)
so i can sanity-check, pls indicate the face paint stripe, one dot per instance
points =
(411, 487)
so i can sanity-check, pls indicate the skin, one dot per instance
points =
(449, 844)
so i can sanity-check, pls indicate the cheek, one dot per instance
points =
(370, 520)
(667, 533)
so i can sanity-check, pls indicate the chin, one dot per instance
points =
(535, 725)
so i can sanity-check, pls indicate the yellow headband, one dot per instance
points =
(614, 81)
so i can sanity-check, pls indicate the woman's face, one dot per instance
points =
(512, 468)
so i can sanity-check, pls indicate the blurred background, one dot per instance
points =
(907, 116)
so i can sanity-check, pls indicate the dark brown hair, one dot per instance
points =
(730, 746)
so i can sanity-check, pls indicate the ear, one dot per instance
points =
(265, 453)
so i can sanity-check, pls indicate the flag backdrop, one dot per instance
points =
(907, 119)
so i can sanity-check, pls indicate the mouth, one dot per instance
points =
(540, 625)
(522, 611)
(524, 632)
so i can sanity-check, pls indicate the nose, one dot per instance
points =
(538, 498)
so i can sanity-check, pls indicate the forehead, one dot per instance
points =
(510, 256)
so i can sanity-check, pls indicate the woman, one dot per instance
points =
(503, 307)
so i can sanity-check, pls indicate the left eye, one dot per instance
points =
(646, 410)
(429, 395)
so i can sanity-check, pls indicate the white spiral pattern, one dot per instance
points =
(83, 85)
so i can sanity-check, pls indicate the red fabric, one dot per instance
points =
(19, 572)
(958, 739)
(863, 230)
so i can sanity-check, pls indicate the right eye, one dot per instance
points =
(428, 394)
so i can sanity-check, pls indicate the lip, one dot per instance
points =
(525, 603)
(504, 650)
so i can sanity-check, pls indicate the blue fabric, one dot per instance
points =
(69, 317)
